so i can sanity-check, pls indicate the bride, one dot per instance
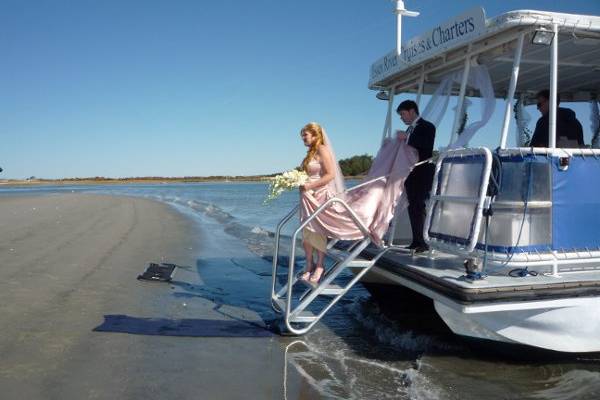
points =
(325, 180)
(373, 205)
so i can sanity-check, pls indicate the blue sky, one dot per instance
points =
(180, 88)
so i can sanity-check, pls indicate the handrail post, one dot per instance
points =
(387, 128)
(280, 226)
(431, 203)
(553, 89)
(482, 195)
(290, 284)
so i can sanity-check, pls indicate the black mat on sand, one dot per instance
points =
(162, 272)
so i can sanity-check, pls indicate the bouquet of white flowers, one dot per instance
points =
(289, 180)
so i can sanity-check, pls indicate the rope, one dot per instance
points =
(521, 272)
(496, 181)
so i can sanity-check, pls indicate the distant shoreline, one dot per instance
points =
(103, 180)
(141, 180)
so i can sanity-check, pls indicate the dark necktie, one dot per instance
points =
(409, 131)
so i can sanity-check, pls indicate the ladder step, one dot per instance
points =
(303, 316)
(337, 254)
(340, 255)
(360, 263)
(329, 290)
(332, 290)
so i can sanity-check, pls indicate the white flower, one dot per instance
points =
(289, 180)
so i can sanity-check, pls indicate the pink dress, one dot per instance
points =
(309, 202)
(374, 203)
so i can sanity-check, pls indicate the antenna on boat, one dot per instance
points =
(401, 11)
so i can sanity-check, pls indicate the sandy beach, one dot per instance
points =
(76, 323)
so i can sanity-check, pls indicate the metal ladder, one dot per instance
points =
(293, 305)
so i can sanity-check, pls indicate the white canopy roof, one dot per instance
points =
(444, 48)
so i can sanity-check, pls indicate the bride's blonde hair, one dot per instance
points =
(317, 131)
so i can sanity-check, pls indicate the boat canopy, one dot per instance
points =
(425, 60)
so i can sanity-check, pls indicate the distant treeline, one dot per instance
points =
(162, 178)
(353, 166)
(356, 165)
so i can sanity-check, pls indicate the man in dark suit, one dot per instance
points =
(569, 132)
(420, 134)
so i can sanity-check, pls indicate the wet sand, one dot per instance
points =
(75, 323)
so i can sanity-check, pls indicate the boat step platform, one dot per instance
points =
(444, 274)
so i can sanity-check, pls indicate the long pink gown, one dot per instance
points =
(374, 203)
(309, 202)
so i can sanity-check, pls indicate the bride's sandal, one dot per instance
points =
(317, 275)
(305, 276)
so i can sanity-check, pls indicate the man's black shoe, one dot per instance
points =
(412, 246)
(421, 249)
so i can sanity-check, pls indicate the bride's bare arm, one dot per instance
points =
(328, 166)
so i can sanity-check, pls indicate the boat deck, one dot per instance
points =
(444, 274)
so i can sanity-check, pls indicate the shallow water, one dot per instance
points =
(363, 348)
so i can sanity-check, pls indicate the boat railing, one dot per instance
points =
(544, 214)
(363, 184)
(449, 205)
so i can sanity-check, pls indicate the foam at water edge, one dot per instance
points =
(257, 239)
(419, 387)
(575, 384)
(259, 231)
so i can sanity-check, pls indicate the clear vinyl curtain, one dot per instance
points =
(522, 119)
(479, 79)
(595, 123)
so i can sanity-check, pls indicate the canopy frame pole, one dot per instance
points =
(421, 84)
(461, 98)
(387, 128)
(511, 91)
(553, 89)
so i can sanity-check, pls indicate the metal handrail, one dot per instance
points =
(280, 226)
(545, 151)
(505, 204)
(366, 183)
(456, 199)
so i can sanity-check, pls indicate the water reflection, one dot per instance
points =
(310, 372)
